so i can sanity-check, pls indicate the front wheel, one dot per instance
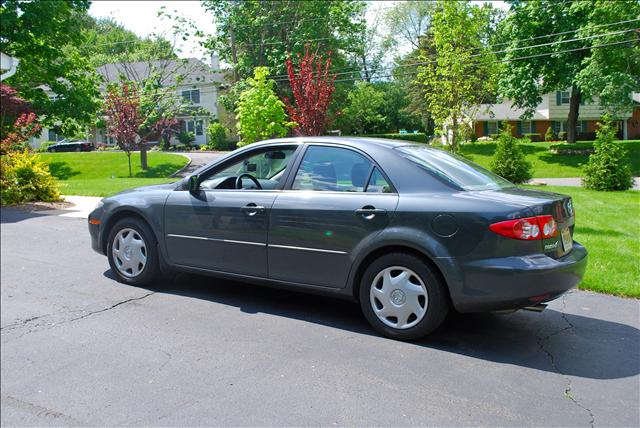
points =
(402, 297)
(132, 252)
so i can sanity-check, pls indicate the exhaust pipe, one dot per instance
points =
(536, 308)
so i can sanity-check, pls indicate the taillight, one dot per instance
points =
(527, 229)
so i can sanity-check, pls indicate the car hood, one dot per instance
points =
(167, 186)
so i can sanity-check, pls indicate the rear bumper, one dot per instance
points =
(516, 282)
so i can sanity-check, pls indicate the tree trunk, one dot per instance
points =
(454, 133)
(143, 156)
(234, 55)
(129, 158)
(574, 110)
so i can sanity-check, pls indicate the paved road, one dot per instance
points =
(78, 348)
(573, 182)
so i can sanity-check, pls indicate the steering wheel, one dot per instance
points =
(251, 177)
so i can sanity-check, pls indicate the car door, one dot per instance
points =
(338, 200)
(224, 229)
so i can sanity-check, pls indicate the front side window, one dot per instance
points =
(332, 169)
(454, 169)
(267, 167)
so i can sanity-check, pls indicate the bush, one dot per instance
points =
(217, 136)
(550, 135)
(187, 138)
(43, 146)
(533, 137)
(508, 161)
(608, 167)
(25, 178)
(562, 136)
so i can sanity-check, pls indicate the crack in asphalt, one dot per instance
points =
(29, 321)
(568, 388)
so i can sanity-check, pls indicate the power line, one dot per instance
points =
(483, 54)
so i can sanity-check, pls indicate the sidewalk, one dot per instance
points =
(82, 206)
(573, 182)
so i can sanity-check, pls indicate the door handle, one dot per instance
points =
(369, 212)
(253, 209)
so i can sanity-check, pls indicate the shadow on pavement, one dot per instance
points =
(551, 341)
(15, 214)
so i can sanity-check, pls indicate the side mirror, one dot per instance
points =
(193, 183)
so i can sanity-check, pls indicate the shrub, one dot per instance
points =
(187, 138)
(508, 161)
(562, 136)
(25, 178)
(533, 137)
(217, 136)
(608, 167)
(43, 147)
(550, 135)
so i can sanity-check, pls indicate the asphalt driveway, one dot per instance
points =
(78, 348)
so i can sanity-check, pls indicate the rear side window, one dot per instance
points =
(454, 169)
(377, 183)
(332, 169)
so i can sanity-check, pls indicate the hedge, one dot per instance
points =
(420, 137)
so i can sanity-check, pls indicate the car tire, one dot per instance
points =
(402, 297)
(134, 262)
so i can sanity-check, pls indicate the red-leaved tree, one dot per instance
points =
(25, 127)
(312, 88)
(11, 107)
(121, 110)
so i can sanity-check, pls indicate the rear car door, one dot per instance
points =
(221, 228)
(337, 200)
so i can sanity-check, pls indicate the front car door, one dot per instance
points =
(338, 199)
(223, 228)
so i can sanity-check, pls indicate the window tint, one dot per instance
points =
(332, 169)
(454, 169)
(268, 165)
(377, 183)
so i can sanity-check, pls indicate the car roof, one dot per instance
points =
(346, 141)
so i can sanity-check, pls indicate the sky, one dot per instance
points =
(141, 17)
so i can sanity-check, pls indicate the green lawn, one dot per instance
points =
(546, 164)
(607, 223)
(107, 173)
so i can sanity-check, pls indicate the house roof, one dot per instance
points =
(505, 111)
(193, 71)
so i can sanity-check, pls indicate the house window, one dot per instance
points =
(558, 126)
(563, 97)
(195, 126)
(492, 128)
(53, 136)
(192, 96)
(526, 127)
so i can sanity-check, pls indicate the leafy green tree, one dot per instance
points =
(611, 72)
(461, 73)
(363, 111)
(39, 33)
(107, 42)
(260, 113)
(508, 160)
(256, 33)
(609, 167)
(408, 21)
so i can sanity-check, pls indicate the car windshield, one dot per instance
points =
(454, 169)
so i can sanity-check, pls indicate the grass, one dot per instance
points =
(107, 173)
(546, 164)
(607, 223)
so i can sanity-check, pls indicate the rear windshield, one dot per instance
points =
(454, 169)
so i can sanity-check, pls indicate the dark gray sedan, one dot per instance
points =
(407, 230)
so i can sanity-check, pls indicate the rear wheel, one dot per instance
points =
(402, 297)
(133, 252)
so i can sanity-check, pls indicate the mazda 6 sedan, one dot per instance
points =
(408, 231)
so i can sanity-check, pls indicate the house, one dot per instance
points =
(199, 85)
(553, 112)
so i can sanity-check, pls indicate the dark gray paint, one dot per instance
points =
(482, 270)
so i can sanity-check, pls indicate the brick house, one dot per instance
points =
(553, 112)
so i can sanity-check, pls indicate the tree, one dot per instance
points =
(40, 34)
(260, 113)
(408, 21)
(460, 76)
(263, 33)
(363, 111)
(11, 107)
(25, 127)
(609, 167)
(121, 110)
(611, 73)
(312, 87)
